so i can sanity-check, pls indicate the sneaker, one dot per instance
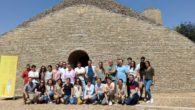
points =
(151, 100)
(110, 103)
(148, 101)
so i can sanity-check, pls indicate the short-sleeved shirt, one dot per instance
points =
(121, 73)
(99, 88)
(112, 68)
(132, 86)
(41, 89)
(48, 75)
(34, 75)
(56, 75)
(70, 74)
(100, 74)
(149, 73)
(67, 89)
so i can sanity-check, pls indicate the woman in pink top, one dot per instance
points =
(70, 73)
(56, 73)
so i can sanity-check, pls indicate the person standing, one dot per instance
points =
(121, 71)
(25, 74)
(48, 74)
(56, 73)
(149, 80)
(42, 73)
(90, 72)
(34, 74)
(129, 62)
(80, 73)
(70, 73)
(62, 71)
(100, 72)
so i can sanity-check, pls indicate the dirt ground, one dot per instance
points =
(162, 101)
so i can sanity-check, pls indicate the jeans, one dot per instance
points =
(66, 98)
(98, 97)
(73, 100)
(51, 95)
(132, 100)
(147, 84)
(43, 99)
(92, 80)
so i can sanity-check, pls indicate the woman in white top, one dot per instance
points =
(50, 89)
(89, 92)
(80, 73)
(49, 73)
(133, 70)
(78, 93)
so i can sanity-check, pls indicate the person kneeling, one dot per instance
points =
(40, 93)
(121, 93)
(68, 91)
(109, 92)
(133, 91)
(99, 91)
(29, 91)
(89, 93)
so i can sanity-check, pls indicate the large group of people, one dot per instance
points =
(65, 84)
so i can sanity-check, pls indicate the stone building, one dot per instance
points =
(78, 30)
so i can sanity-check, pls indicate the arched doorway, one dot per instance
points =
(78, 56)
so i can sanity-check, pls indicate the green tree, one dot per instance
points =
(187, 29)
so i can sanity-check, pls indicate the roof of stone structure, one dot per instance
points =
(110, 5)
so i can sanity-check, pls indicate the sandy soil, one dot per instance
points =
(162, 101)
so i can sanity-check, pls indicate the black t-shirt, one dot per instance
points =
(41, 89)
(67, 89)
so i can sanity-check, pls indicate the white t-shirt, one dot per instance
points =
(33, 74)
(62, 72)
(80, 71)
(132, 71)
(138, 67)
(48, 75)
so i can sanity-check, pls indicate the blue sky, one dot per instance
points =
(14, 12)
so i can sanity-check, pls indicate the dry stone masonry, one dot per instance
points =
(102, 30)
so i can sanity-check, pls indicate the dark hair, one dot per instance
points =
(108, 78)
(142, 66)
(51, 81)
(33, 66)
(121, 80)
(134, 66)
(88, 80)
(129, 58)
(61, 82)
(50, 66)
(148, 63)
(102, 67)
(143, 57)
(79, 82)
(99, 79)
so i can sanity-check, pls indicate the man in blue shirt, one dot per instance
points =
(121, 71)
(29, 91)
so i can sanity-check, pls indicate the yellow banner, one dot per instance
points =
(8, 67)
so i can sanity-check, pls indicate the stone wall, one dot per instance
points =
(153, 14)
(103, 35)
